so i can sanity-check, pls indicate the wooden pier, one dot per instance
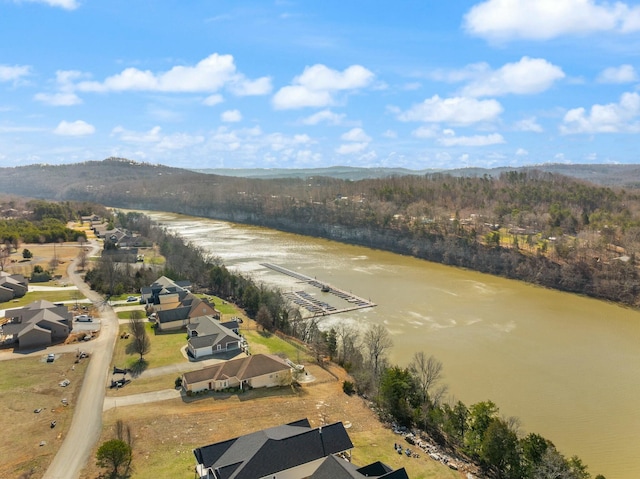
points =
(317, 306)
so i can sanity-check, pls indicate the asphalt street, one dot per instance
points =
(86, 425)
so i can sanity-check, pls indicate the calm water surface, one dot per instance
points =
(567, 366)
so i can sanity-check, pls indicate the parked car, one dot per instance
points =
(131, 299)
(83, 318)
(51, 357)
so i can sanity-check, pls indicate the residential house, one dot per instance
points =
(208, 337)
(291, 451)
(161, 287)
(39, 324)
(12, 286)
(177, 310)
(257, 371)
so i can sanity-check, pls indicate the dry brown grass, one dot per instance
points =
(27, 384)
(167, 432)
(42, 256)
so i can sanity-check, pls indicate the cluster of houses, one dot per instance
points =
(126, 243)
(173, 307)
(37, 325)
(12, 286)
(291, 451)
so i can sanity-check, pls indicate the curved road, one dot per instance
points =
(86, 425)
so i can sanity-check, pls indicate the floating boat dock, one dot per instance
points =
(317, 306)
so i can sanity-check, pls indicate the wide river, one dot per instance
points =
(567, 366)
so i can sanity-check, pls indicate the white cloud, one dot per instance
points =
(75, 128)
(58, 99)
(155, 137)
(324, 116)
(351, 148)
(390, 134)
(621, 74)
(13, 73)
(151, 136)
(426, 132)
(244, 87)
(213, 100)
(280, 142)
(525, 77)
(66, 4)
(545, 19)
(521, 152)
(318, 84)
(610, 118)
(528, 124)
(456, 110)
(208, 75)
(231, 116)
(475, 140)
(356, 134)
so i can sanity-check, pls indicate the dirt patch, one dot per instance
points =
(167, 432)
(27, 385)
(43, 255)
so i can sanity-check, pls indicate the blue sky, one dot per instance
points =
(302, 84)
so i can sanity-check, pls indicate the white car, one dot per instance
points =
(83, 318)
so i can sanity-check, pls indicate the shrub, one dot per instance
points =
(348, 388)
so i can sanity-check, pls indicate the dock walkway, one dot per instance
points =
(316, 306)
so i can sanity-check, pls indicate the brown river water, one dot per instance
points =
(567, 366)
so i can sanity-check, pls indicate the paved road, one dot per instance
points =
(86, 425)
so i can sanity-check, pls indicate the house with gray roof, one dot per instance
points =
(208, 337)
(256, 371)
(39, 324)
(162, 286)
(12, 286)
(336, 467)
(293, 450)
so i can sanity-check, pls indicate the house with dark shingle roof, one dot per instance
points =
(335, 467)
(293, 450)
(207, 337)
(39, 324)
(256, 371)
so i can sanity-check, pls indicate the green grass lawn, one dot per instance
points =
(127, 314)
(52, 296)
(165, 349)
(263, 342)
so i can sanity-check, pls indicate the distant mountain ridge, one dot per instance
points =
(626, 176)
(91, 179)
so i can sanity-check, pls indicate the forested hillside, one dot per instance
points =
(530, 225)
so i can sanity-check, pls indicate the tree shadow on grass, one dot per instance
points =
(138, 368)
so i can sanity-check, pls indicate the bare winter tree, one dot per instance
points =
(377, 341)
(141, 341)
(428, 373)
